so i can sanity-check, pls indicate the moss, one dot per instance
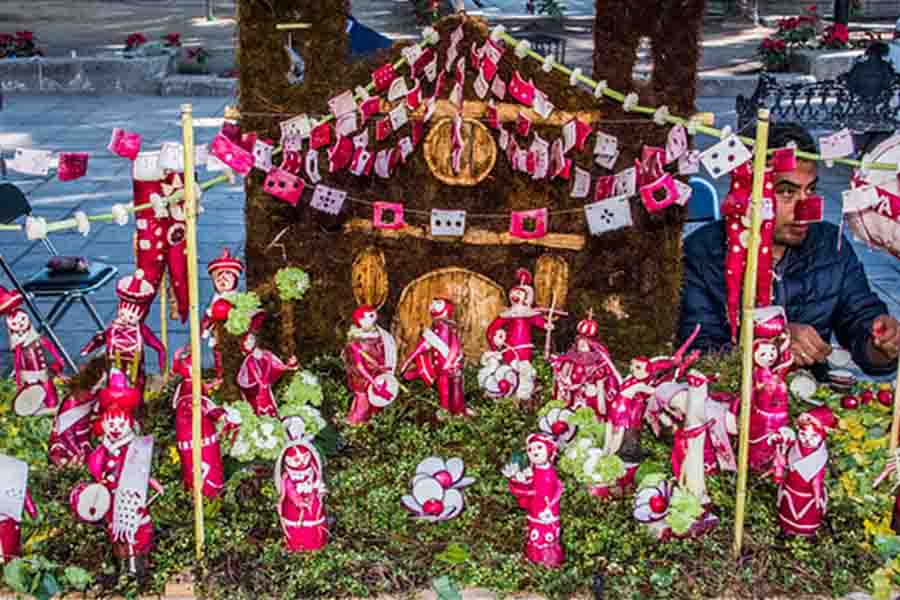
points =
(640, 265)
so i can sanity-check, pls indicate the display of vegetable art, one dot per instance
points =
(293, 453)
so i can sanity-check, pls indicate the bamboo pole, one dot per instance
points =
(749, 301)
(164, 328)
(190, 212)
(895, 425)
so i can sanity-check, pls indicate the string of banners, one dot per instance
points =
(542, 160)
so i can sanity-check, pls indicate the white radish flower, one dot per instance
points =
(522, 48)
(83, 223)
(120, 214)
(556, 423)
(437, 489)
(630, 102)
(35, 228)
(575, 76)
(651, 504)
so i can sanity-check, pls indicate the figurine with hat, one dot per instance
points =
(225, 272)
(801, 461)
(182, 401)
(772, 359)
(300, 482)
(35, 392)
(370, 358)
(538, 490)
(261, 370)
(438, 358)
(510, 335)
(122, 463)
(585, 376)
(126, 336)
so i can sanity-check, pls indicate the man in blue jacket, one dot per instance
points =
(822, 287)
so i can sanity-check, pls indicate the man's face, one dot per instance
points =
(790, 188)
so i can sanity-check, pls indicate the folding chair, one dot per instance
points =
(67, 288)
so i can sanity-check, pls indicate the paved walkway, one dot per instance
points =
(83, 123)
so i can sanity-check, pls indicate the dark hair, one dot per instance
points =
(780, 134)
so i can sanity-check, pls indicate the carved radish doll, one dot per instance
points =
(260, 371)
(370, 358)
(35, 392)
(225, 272)
(301, 487)
(438, 358)
(539, 490)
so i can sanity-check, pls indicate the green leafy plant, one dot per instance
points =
(245, 305)
(684, 509)
(259, 437)
(42, 578)
(292, 283)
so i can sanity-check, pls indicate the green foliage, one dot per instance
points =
(245, 305)
(259, 437)
(292, 283)
(42, 578)
(304, 388)
(684, 508)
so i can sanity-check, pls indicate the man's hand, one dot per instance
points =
(886, 336)
(806, 345)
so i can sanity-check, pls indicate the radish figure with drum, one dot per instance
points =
(35, 393)
(370, 358)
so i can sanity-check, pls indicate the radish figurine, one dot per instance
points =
(866, 397)
(886, 397)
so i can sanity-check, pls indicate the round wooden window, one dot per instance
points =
(479, 152)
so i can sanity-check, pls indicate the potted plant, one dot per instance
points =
(194, 61)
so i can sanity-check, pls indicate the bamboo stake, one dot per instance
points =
(759, 170)
(164, 328)
(190, 212)
(895, 425)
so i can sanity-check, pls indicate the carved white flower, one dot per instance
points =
(630, 101)
(547, 66)
(574, 76)
(35, 228)
(309, 378)
(83, 223)
(651, 504)
(522, 48)
(120, 214)
(497, 33)
(556, 423)
(430, 36)
(436, 489)
(660, 115)
(599, 89)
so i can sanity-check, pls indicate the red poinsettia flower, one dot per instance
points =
(173, 39)
(5, 39)
(24, 36)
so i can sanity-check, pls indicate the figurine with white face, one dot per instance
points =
(301, 487)
(127, 335)
(122, 463)
(35, 392)
(771, 362)
(370, 358)
(800, 465)
(538, 490)
(438, 358)
(225, 272)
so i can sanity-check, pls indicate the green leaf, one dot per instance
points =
(48, 588)
(454, 553)
(17, 575)
(888, 546)
(445, 589)
(77, 578)
(327, 440)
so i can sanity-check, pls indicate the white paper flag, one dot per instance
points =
(328, 200)
(582, 184)
(608, 214)
(31, 162)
